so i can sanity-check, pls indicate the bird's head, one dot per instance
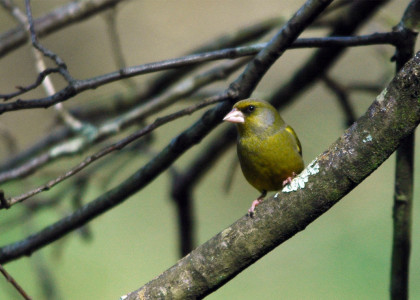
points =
(254, 116)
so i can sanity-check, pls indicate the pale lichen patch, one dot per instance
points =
(299, 181)
(368, 138)
(164, 292)
(381, 96)
(225, 232)
(70, 147)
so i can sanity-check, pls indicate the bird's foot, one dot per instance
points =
(253, 206)
(256, 202)
(289, 179)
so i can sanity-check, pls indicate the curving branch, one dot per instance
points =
(357, 153)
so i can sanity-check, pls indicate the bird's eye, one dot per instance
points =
(250, 108)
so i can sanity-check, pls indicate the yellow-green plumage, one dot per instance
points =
(268, 149)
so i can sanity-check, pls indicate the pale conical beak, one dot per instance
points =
(234, 116)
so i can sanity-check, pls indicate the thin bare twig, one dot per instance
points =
(46, 52)
(43, 77)
(116, 146)
(23, 89)
(38, 50)
(115, 42)
(16, 285)
(78, 86)
(114, 126)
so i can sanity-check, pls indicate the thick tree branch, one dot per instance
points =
(402, 219)
(357, 153)
(404, 173)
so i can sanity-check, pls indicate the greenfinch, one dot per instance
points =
(269, 151)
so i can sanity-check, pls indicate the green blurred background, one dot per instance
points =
(345, 254)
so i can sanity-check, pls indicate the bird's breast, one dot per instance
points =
(267, 161)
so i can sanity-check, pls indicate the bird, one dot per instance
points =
(269, 151)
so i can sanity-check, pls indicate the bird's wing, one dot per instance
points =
(293, 134)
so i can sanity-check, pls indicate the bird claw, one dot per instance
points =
(289, 179)
(253, 206)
